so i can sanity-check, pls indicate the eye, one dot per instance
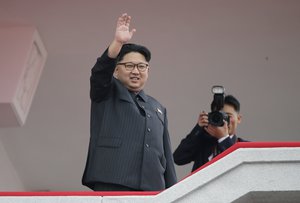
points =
(129, 65)
(142, 66)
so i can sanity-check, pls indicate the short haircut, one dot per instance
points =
(128, 48)
(232, 101)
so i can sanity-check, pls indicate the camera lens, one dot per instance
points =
(216, 118)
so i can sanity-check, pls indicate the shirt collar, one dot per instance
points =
(141, 94)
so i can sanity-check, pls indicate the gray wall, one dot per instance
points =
(250, 47)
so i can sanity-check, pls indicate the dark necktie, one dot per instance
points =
(137, 100)
(217, 150)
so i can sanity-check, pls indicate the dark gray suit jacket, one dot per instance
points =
(129, 141)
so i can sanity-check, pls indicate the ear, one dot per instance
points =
(116, 71)
(239, 118)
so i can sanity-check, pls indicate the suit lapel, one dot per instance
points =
(123, 92)
(234, 139)
(143, 96)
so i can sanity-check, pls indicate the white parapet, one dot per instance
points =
(245, 175)
(250, 172)
(22, 58)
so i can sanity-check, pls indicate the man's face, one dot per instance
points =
(134, 80)
(235, 118)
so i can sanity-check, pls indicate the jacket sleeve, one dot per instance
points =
(170, 173)
(102, 77)
(190, 146)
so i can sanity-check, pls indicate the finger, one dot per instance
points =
(122, 19)
(208, 130)
(127, 22)
(204, 119)
(205, 122)
(204, 114)
(124, 16)
(225, 123)
(128, 18)
(203, 125)
(119, 21)
(132, 31)
(199, 118)
(212, 127)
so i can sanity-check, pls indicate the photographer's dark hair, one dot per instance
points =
(127, 48)
(232, 101)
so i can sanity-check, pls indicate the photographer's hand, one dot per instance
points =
(217, 131)
(203, 119)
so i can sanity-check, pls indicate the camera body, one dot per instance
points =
(216, 117)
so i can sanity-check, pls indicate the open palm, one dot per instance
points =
(123, 34)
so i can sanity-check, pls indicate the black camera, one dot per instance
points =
(216, 117)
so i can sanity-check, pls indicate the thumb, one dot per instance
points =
(132, 31)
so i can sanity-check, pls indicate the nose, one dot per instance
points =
(135, 70)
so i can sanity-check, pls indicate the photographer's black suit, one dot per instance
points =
(198, 146)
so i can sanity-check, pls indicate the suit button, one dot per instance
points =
(143, 107)
(148, 129)
(148, 115)
(147, 145)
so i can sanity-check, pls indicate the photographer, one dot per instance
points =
(207, 140)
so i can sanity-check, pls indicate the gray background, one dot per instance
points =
(252, 48)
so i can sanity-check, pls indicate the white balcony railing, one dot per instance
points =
(246, 172)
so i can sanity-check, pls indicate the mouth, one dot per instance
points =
(134, 78)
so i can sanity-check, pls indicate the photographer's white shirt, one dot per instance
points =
(220, 140)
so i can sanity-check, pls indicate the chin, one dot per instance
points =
(135, 89)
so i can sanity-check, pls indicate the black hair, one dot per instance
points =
(232, 101)
(127, 48)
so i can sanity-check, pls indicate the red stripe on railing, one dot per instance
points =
(82, 193)
(247, 145)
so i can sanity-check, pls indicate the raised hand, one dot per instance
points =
(123, 34)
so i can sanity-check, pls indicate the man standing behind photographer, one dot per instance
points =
(206, 141)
